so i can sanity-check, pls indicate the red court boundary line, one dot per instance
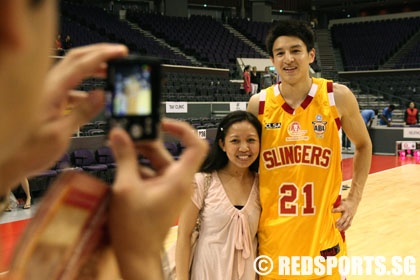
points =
(9, 236)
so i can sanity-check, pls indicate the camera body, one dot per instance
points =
(133, 95)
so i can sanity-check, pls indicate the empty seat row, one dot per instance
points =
(99, 163)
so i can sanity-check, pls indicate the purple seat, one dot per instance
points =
(85, 159)
(47, 173)
(104, 156)
(96, 131)
(172, 147)
(64, 164)
(41, 180)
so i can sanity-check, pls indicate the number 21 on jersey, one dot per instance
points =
(294, 200)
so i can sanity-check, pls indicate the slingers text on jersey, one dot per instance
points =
(299, 154)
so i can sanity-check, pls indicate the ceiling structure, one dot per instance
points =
(357, 7)
(325, 5)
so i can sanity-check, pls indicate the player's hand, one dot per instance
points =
(348, 209)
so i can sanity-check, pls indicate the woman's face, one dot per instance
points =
(241, 144)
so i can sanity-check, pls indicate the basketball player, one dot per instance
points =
(300, 160)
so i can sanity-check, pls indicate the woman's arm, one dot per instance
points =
(183, 252)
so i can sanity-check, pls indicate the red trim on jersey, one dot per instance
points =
(337, 201)
(338, 123)
(287, 108)
(330, 87)
(307, 101)
(261, 107)
(304, 104)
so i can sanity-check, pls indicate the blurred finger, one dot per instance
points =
(76, 96)
(146, 172)
(87, 109)
(125, 156)
(181, 172)
(89, 61)
(156, 152)
(195, 148)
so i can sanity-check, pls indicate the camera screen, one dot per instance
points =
(133, 90)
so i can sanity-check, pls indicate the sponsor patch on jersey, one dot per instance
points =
(296, 133)
(319, 126)
(272, 125)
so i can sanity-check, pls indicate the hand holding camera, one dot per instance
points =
(133, 96)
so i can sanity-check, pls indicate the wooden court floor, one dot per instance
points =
(387, 222)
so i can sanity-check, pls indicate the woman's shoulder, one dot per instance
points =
(204, 174)
(201, 176)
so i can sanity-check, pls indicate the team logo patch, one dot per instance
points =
(272, 125)
(296, 133)
(319, 127)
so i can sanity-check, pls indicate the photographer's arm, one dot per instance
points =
(146, 203)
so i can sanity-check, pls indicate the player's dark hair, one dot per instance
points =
(293, 28)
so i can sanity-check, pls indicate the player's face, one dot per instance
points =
(241, 144)
(24, 60)
(291, 59)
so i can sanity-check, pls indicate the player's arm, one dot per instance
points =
(355, 129)
(253, 104)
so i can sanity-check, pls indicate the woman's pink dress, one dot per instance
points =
(227, 245)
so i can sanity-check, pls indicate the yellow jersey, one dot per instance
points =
(300, 177)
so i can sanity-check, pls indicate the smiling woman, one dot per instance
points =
(230, 208)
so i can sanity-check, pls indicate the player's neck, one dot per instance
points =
(294, 94)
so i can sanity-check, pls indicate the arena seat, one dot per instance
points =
(85, 159)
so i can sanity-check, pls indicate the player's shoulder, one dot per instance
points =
(342, 94)
(340, 88)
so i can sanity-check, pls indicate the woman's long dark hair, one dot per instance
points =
(217, 158)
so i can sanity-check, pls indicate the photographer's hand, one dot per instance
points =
(145, 204)
(50, 138)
